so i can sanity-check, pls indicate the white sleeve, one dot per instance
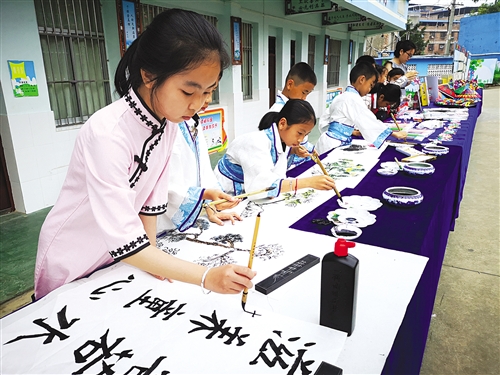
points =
(372, 130)
(325, 119)
(255, 159)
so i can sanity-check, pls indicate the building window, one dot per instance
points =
(292, 53)
(74, 58)
(246, 60)
(441, 46)
(443, 35)
(311, 48)
(148, 12)
(430, 47)
(432, 35)
(333, 69)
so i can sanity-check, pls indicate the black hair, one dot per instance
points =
(391, 92)
(367, 59)
(295, 111)
(362, 69)
(395, 72)
(380, 68)
(405, 45)
(176, 40)
(302, 72)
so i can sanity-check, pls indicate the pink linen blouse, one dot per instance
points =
(119, 168)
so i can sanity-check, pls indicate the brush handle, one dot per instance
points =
(242, 195)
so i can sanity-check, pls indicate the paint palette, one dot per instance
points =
(403, 196)
(362, 202)
(387, 171)
(352, 216)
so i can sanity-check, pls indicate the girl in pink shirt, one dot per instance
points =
(117, 180)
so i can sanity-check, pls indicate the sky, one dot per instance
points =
(448, 2)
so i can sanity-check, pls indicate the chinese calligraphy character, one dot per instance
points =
(279, 351)
(103, 351)
(218, 327)
(51, 332)
(102, 290)
(158, 305)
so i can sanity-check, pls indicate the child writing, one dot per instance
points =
(300, 82)
(117, 179)
(193, 181)
(257, 160)
(395, 74)
(382, 98)
(348, 111)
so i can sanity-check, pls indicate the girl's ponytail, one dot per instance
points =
(268, 120)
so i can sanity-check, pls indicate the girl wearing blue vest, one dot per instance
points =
(258, 160)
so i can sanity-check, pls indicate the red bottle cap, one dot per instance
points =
(341, 247)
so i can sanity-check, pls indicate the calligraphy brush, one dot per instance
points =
(244, 195)
(397, 162)
(250, 262)
(394, 119)
(316, 159)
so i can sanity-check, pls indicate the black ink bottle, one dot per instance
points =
(339, 282)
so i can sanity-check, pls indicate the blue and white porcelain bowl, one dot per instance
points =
(403, 196)
(419, 168)
(436, 150)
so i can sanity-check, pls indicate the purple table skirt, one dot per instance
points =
(421, 230)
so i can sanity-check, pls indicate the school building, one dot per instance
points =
(58, 59)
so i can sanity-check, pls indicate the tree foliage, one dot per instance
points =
(488, 8)
(415, 33)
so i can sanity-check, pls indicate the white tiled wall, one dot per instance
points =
(37, 158)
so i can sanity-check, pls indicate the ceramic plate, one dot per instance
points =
(346, 231)
(358, 218)
(387, 172)
(391, 165)
(362, 202)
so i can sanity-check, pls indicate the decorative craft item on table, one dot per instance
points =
(458, 93)
(448, 133)
(362, 202)
(435, 150)
(403, 196)
(353, 216)
(419, 169)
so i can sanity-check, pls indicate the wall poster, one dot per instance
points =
(236, 40)
(212, 123)
(22, 77)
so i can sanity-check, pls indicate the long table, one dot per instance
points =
(420, 230)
